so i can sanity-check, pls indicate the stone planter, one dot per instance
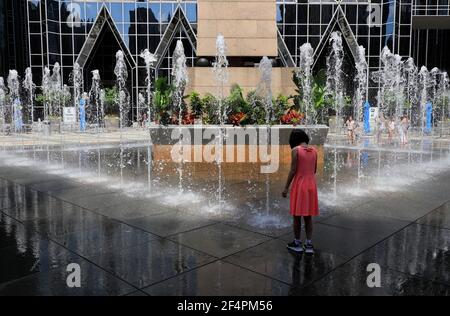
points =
(248, 135)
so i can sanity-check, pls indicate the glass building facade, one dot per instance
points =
(58, 31)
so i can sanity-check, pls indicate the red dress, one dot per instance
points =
(304, 200)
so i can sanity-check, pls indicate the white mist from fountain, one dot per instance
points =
(435, 74)
(77, 81)
(304, 73)
(179, 80)
(3, 110)
(264, 90)
(443, 97)
(14, 95)
(46, 92)
(140, 105)
(388, 78)
(335, 87)
(424, 84)
(220, 68)
(361, 85)
(360, 97)
(411, 84)
(30, 88)
(56, 89)
(121, 73)
(96, 111)
(335, 75)
(149, 59)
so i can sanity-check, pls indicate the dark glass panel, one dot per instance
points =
(53, 43)
(33, 11)
(67, 44)
(35, 44)
(314, 13)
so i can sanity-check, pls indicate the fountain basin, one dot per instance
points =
(236, 135)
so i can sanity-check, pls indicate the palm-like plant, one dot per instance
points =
(162, 99)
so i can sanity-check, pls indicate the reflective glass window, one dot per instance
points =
(191, 12)
(116, 12)
(91, 11)
(166, 12)
(33, 11)
(154, 13)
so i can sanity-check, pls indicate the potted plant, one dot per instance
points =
(238, 107)
(161, 101)
(209, 109)
(195, 107)
(111, 108)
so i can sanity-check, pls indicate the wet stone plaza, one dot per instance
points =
(137, 223)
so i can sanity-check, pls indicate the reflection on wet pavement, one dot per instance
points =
(124, 220)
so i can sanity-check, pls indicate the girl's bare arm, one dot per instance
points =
(291, 172)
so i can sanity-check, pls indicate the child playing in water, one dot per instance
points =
(303, 198)
(391, 130)
(404, 125)
(350, 129)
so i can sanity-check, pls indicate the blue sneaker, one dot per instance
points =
(296, 247)
(309, 248)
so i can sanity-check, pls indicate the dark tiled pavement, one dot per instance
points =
(129, 246)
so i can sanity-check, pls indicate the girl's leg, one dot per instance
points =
(308, 227)
(297, 227)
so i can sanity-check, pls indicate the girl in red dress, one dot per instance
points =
(303, 198)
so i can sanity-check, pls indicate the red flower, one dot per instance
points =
(188, 119)
(292, 117)
(237, 118)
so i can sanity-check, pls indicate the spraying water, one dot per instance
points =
(121, 73)
(335, 75)
(304, 73)
(46, 92)
(29, 87)
(442, 97)
(220, 68)
(3, 91)
(398, 87)
(179, 81)
(435, 74)
(16, 106)
(56, 89)
(424, 83)
(149, 60)
(77, 80)
(102, 106)
(265, 88)
(411, 84)
(95, 113)
(141, 105)
(361, 84)
(179, 77)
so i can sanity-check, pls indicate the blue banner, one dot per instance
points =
(429, 112)
(367, 117)
(82, 115)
